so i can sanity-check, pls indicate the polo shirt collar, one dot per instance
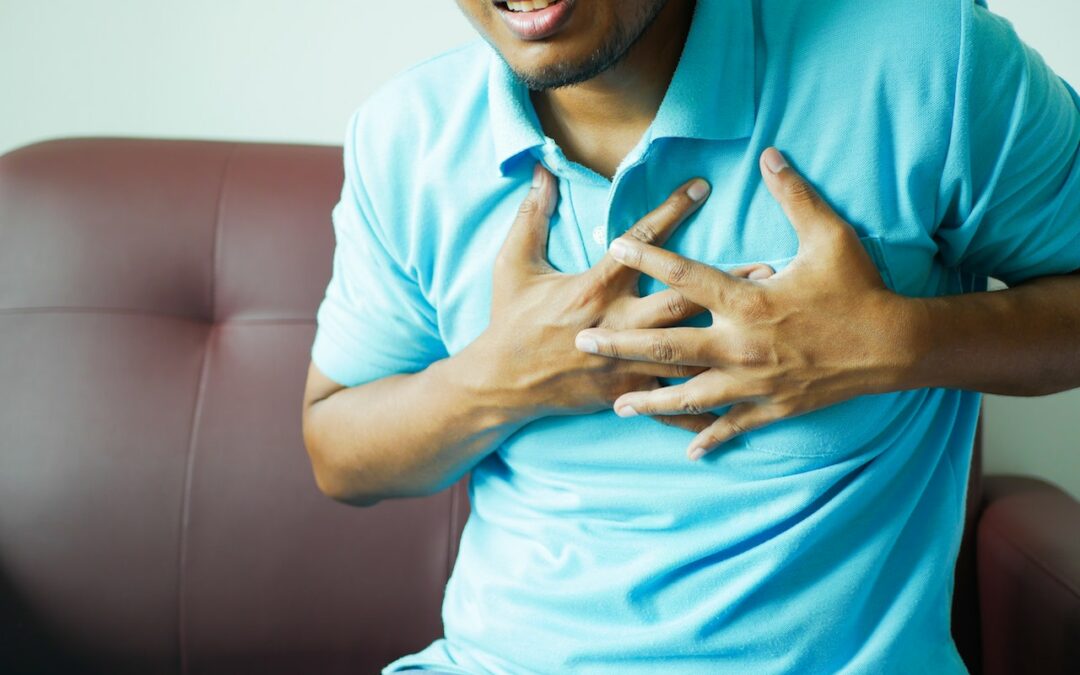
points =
(514, 123)
(711, 94)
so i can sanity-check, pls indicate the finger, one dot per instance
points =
(656, 226)
(663, 308)
(756, 271)
(739, 419)
(700, 283)
(712, 389)
(669, 370)
(813, 219)
(695, 423)
(668, 307)
(525, 246)
(684, 345)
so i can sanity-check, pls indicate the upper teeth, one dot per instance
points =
(528, 5)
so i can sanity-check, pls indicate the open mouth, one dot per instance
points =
(534, 19)
(525, 5)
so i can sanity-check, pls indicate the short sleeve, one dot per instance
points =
(1011, 181)
(373, 321)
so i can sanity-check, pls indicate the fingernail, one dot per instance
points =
(696, 453)
(586, 343)
(697, 190)
(537, 177)
(625, 411)
(761, 273)
(618, 249)
(774, 160)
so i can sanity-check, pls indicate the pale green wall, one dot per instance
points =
(232, 69)
(293, 71)
(1040, 436)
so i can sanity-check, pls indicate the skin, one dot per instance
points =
(598, 121)
(367, 443)
(574, 344)
(773, 352)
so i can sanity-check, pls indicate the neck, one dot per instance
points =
(596, 123)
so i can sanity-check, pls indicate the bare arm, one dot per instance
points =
(415, 434)
(781, 351)
(1023, 341)
(404, 435)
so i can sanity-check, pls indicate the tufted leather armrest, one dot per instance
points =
(1029, 577)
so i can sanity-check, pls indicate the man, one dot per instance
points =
(595, 219)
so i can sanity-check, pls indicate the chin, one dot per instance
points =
(578, 31)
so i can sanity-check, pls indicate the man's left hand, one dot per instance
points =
(823, 330)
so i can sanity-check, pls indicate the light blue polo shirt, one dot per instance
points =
(823, 543)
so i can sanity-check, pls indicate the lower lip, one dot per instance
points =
(537, 24)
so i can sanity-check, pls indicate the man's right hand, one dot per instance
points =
(527, 352)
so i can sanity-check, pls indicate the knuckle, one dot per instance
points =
(529, 207)
(752, 354)
(663, 350)
(611, 349)
(679, 271)
(799, 191)
(683, 370)
(677, 306)
(735, 427)
(690, 405)
(644, 232)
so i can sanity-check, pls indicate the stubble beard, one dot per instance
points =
(606, 56)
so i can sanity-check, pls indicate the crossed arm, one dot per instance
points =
(827, 329)
(776, 347)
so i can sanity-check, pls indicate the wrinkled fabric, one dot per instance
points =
(820, 543)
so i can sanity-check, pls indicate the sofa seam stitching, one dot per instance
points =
(185, 504)
(215, 258)
(196, 417)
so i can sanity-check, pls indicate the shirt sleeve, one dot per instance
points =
(1011, 180)
(373, 321)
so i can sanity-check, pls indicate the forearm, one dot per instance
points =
(1022, 341)
(407, 435)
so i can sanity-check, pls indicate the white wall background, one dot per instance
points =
(285, 70)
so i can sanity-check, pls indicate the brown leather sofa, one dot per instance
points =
(157, 509)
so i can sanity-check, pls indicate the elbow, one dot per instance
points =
(336, 484)
(336, 481)
(331, 484)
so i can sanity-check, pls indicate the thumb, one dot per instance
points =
(526, 244)
(811, 217)
(756, 271)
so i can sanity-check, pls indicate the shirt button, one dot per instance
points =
(599, 235)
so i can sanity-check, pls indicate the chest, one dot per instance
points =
(740, 223)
